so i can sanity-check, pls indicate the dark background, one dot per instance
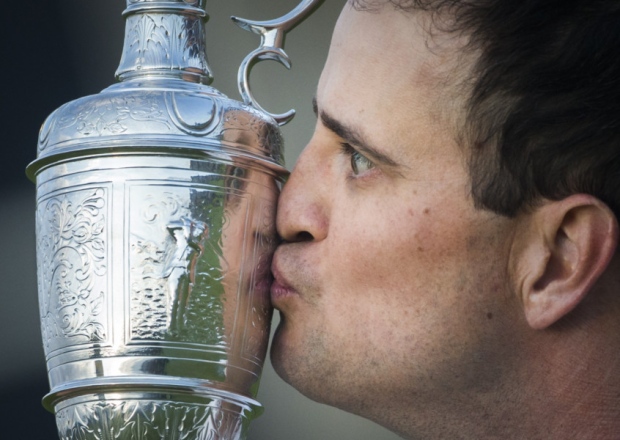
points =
(55, 51)
(37, 76)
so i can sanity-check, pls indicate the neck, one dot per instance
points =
(578, 366)
(566, 385)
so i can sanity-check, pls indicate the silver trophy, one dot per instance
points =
(155, 229)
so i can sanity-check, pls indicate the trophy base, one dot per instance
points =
(150, 412)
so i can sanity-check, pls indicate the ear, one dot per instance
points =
(564, 247)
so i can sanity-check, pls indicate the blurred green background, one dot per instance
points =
(54, 51)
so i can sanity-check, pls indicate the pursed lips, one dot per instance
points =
(280, 288)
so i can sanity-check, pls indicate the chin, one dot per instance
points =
(277, 354)
(301, 365)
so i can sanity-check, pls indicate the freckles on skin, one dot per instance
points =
(425, 211)
(437, 237)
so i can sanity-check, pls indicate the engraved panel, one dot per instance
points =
(164, 41)
(112, 115)
(176, 264)
(72, 237)
(147, 420)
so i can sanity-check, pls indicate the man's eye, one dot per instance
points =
(359, 162)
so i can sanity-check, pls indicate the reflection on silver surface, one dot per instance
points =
(155, 230)
(154, 276)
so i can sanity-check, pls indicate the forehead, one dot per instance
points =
(390, 62)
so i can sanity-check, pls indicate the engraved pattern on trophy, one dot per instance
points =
(190, 238)
(111, 116)
(241, 126)
(46, 129)
(72, 240)
(164, 41)
(143, 419)
(177, 265)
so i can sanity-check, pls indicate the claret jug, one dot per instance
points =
(155, 229)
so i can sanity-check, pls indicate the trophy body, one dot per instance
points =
(155, 230)
(154, 294)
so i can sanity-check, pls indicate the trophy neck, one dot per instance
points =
(165, 39)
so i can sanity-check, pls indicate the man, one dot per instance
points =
(449, 265)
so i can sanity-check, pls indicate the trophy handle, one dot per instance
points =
(273, 33)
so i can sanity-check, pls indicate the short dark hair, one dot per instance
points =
(543, 118)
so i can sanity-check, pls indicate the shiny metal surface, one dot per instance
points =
(154, 277)
(273, 34)
(155, 230)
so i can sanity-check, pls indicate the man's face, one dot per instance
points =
(392, 288)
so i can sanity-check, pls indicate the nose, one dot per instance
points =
(303, 207)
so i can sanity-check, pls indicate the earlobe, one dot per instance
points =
(569, 245)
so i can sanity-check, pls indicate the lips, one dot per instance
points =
(280, 288)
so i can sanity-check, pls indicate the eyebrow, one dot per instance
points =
(351, 136)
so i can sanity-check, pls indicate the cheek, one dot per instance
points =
(385, 243)
(409, 267)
